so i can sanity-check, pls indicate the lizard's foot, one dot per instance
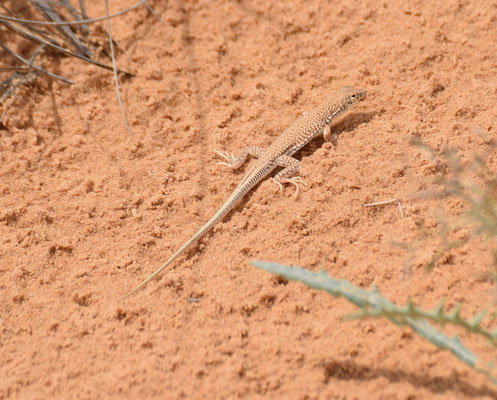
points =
(295, 180)
(230, 159)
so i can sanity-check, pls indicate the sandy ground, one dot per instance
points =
(86, 211)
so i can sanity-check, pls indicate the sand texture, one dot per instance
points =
(87, 212)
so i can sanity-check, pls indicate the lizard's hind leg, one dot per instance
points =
(292, 166)
(236, 162)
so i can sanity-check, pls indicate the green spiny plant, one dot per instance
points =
(373, 304)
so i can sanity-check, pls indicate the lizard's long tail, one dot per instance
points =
(235, 197)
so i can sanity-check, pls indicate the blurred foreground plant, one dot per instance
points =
(373, 304)
(457, 181)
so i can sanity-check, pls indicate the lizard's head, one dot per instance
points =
(349, 95)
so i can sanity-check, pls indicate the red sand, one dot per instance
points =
(87, 211)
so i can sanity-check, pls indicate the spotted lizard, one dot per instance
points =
(278, 154)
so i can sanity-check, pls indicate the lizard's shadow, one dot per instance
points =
(346, 124)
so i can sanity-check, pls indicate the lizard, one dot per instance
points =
(278, 154)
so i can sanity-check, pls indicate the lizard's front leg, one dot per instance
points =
(236, 162)
(292, 166)
(328, 136)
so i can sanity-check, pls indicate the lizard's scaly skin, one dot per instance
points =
(278, 154)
